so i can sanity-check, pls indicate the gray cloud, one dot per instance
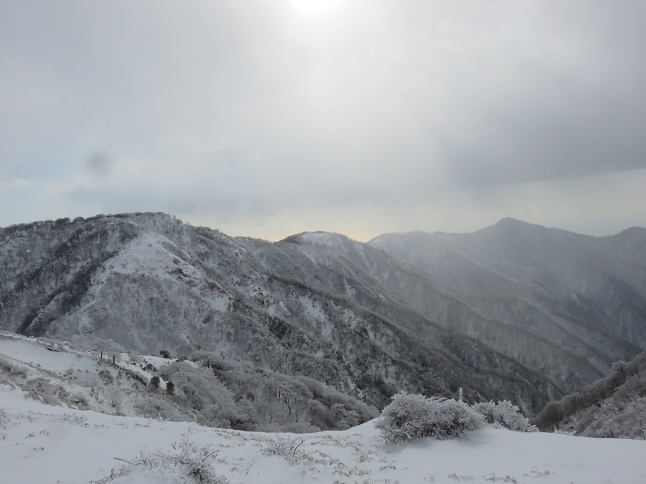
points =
(247, 110)
(100, 164)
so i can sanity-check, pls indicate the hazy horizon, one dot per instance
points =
(366, 239)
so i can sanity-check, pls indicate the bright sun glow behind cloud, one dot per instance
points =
(315, 8)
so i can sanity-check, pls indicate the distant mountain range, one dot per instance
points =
(514, 311)
(564, 304)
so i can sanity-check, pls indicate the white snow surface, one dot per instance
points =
(46, 444)
(37, 353)
(41, 443)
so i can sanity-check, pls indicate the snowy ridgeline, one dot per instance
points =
(40, 443)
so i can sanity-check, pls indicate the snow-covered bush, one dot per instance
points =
(151, 407)
(506, 414)
(405, 418)
(411, 416)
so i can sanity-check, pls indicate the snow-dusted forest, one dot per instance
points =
(515, 311)
(129, 322)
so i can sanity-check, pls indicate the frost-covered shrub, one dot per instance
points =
(151, 407)
(506, 414)
(404, 418)
(454, 418)
(413, 416)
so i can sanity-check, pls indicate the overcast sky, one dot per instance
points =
(272, 117)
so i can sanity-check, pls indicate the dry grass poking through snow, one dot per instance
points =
(187, 461)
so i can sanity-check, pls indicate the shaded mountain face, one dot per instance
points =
(564, 304)
(423, 313)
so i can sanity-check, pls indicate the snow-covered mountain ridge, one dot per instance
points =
(322, 313)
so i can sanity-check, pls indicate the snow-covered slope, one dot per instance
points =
(42, 444)
(514, 311)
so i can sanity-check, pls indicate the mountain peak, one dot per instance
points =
(329, 239)
(509, 222)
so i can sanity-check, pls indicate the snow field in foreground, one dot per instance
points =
(45, 444)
